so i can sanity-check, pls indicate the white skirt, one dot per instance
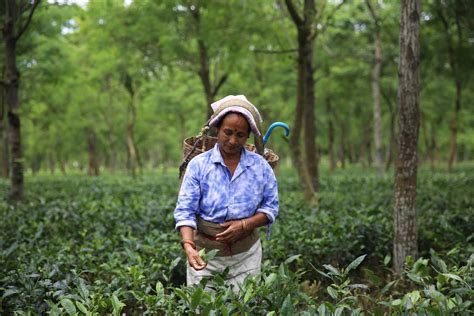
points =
(240, 265)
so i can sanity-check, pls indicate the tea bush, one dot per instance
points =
(94, 246)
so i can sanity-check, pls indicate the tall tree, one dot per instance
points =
(379, 156)
(309, 25)
(4, 165)
(17, 17)
(405, 234)
(304, 115)
(453, 14)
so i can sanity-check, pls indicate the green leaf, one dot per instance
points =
(82, 308)
(439, 263)
(83, 290)
(387, 287)
(210, 255)
(224, 310)
(339, 311)
(451, 303)
(196, 298)
(202, 252)
(332, 269)
(181, 294)
(396, 302)
(414, 296)
(322, 310)
(117, 304)
(174, 263)
(10, 292)
(287, 307)
(292, 258)
(160, 291)
(332, 292)
(270, 279)
(248, 295)
(387, 259)
(354, 264)
(68, 306)
(453, 276)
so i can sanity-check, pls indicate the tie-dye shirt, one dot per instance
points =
(211, 192)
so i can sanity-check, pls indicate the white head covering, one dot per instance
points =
(239, 104)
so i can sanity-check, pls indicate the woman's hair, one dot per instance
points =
(219, 124)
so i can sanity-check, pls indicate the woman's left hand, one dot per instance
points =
(234, 232)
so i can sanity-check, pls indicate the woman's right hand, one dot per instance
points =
(193, 258)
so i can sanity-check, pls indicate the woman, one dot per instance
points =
(227, 192)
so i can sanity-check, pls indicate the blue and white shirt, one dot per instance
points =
(208, 190)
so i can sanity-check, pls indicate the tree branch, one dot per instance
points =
(371, 10)
(219, 84)
(325, 24)
(267, 51)
(294, 14)
(28, 20)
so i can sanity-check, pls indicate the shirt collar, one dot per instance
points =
(245, 159)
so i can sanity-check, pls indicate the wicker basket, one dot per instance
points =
(206, 143)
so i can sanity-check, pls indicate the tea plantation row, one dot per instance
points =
(95, 246)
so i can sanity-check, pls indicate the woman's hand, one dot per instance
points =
(235, 230)
(193, 258)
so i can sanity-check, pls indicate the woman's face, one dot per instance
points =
(232, 134)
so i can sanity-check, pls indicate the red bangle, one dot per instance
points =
(189, 242)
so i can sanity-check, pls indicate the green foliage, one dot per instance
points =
(96, 246)
(73, 62)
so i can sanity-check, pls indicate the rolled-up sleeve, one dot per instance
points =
(270, 205)
(188, 198)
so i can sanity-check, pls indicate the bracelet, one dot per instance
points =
(244, 224)
(189, 242)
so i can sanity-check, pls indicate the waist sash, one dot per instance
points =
(205, 238)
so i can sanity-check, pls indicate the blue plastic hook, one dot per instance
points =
(276, 124)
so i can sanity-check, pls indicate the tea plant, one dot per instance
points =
(95, 246)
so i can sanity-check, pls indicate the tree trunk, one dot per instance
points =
(405, 233)
(12, 32)
(132, 157)
(332, 157)
(295, 148)
(36, 164)
(453, 126)
(368, 149)
(393, 138)
(379, 159)
(12, 79)
(343, 147)
(304, 114)
(93, 169)
(311, 153)
(62, 163)
(4, 164)
(51, 163)
(112, 154)
(455, 72)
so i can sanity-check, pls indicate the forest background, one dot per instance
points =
(108, 90)
(114, 86)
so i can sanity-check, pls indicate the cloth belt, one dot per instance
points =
(205, 238)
